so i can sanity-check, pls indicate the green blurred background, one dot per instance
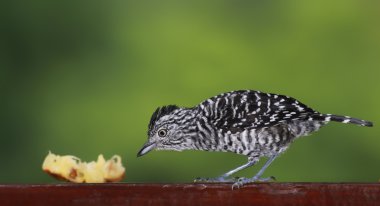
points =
(84, 77)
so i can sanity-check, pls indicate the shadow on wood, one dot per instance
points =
(192, 194)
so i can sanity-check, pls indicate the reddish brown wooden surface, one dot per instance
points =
(191, 194)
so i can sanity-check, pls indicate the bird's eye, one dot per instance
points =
(162, 132)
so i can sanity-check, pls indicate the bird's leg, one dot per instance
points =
(224, 177)
(257, 177)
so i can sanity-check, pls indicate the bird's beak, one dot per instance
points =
(146, 148)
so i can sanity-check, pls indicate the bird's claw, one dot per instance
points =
(243, 181)
(217, 179)
(240, 182)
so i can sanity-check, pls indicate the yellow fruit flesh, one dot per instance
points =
(72, 169)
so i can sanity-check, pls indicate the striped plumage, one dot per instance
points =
(246, 122)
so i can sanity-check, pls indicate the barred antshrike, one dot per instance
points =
(245, 122)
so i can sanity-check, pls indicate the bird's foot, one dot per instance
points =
(216, 179)
(243, 181)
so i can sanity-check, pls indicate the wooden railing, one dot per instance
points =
(192, 194)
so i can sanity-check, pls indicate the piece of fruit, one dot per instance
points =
(71, 168)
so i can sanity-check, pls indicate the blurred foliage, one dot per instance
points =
(83, 78)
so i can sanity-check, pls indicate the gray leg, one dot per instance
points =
(257, 177)
(223, 178)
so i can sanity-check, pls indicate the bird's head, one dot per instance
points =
(170, 128)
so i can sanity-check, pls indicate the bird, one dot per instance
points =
(246, 122)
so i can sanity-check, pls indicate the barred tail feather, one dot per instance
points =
(342, 119)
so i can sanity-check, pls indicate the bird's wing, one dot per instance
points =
(240, 110)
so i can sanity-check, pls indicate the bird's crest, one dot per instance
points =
(160, 112)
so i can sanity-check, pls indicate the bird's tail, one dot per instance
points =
(342, 119)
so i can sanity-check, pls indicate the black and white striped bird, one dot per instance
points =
(246, 122)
